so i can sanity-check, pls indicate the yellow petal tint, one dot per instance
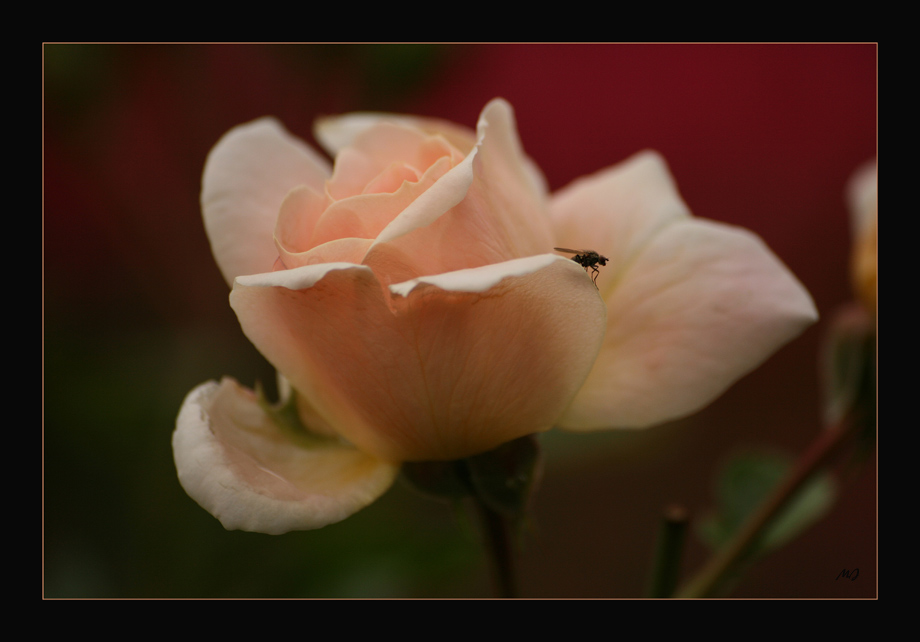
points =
(254, 476)
(438, 369)
(692, 304)
(862, 197)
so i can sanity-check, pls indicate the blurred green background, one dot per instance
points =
(135, 311)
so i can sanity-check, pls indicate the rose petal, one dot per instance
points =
(451, 366)
(504, 142)
(391, 179)
(862, 198)
(345, 230)
(477, 279)
(243, 469)
(347, 250)
(371, 153)
(246, 177)
(366, 215)
(617, 211)
(488, 209)
(300, 210)
(692, 305)
(433, 203)
(335, 133)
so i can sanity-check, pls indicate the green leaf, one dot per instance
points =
(745, 483)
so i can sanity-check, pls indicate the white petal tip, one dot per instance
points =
(478, 279)
(240, 467)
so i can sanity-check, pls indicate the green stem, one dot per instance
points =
(821, 453)
(499, 549)
(668, 552)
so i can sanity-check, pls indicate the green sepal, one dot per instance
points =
(438, 479)
(505, 478)
(669, 549)
(285, 416)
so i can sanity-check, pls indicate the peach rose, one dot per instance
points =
(411, 300)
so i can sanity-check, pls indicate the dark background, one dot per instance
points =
(136, 313)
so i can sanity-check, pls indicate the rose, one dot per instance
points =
(410, 299)
(862, 198)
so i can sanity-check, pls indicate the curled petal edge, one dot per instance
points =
(431, 204)
(478, 279)
(335, 133)
(300, 278)
(248, 473)
(549, 296)
(247, 175)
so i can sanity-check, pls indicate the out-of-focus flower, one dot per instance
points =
(862, 197)
(849, 360)
(410, 298)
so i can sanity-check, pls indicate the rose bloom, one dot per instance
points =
(862, 198)
(411, 300)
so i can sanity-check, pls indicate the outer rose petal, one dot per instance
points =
(454, 365)
(240, 467)
(692, 305)
(246, 177)
(617, 211)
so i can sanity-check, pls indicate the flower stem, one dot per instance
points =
(668, 551)
(821, 453)
(499, 549)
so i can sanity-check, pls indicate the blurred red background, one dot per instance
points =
(136, 312)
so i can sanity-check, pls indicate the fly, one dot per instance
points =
(586, 259)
